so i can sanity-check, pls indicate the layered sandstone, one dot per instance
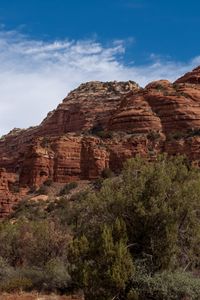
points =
(161, 106)
(7, 196)
(98, 126)
(192, 77)
(89, 105)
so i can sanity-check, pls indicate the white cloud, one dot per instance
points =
(36, 75)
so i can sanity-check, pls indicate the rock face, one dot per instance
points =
(91, 104)
(7, 198)
(98, 126)
(191, 77)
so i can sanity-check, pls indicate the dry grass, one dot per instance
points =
(36, 296)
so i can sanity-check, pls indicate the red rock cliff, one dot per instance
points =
(100, 125)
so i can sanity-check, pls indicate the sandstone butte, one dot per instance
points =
(98, 126)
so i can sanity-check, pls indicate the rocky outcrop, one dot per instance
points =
(91, 104)
(161, 106)
(135, 115)
(176, 105)
(99, 126)
(7, 191)
(191, 77)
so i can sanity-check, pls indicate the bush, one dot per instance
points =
(15, 285)
(97, 184)
(31, 210)
(48, 182)
(52, 277)
(6, 271)
(177, 135)
(133, 295)
(158, 203)
(32, 190)
(100, 132)
(56, 275)
(103, 267)
(127, 240)
(167, 286)
(193, 132)
(189, 133)
(60, 210)
(160, 87)
(14, 188)
(104, 134)
(32, 243)
(107, 173)
(43, 190)
(35, 275)
(67, 188)
(97, 128)
(153, 135)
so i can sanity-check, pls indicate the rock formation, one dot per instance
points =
(98, 126)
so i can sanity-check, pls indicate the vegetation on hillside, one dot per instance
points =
(135, 238)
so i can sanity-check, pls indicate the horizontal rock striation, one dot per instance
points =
(91, 104)
(98, 126)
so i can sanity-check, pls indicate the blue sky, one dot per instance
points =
(48, 47)
(169, 28)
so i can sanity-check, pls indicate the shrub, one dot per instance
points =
(167, 286)
(43, 190)
(97, 128)
(189, 133)
(159, 204)
(53, 276)
(14, 188)
(129, 239)
(98, 183)
(35, 275)
(103, 267)
(107, 173)
(104, 134)
(31, 210)
(32, 243)
(45, 142)
(177, 135)
(15, 285)
(32, 190)
(48, 182)
(100, 132)
(67, 188)
(153, 135)
(194, 132)
(56, 275)
(133, 295)
(6, 270)
(60, 210)
(160, 87)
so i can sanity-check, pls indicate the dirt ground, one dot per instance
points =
(36, 296)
